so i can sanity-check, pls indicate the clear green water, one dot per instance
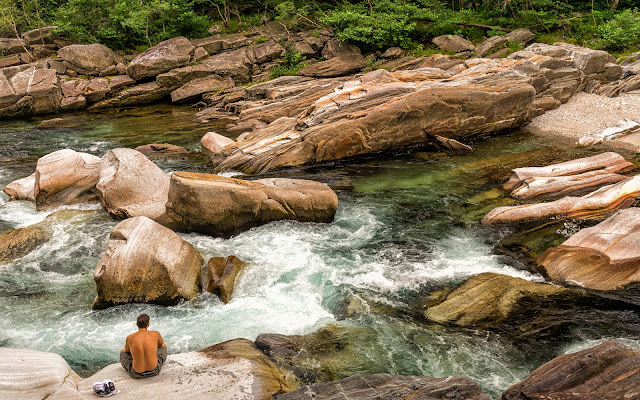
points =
(406, 225)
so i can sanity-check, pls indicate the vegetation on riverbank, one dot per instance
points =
(613, 25)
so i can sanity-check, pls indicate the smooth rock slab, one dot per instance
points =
(30, 374)
(167, 55)
(131, 185)
(220, 206)
(146, 263)
(22, 189)
(63, 176)
(602, 257)
(387, 386)
(607, 371)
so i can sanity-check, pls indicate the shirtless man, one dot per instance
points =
(144, 351)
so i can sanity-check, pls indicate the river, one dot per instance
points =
(407, 224)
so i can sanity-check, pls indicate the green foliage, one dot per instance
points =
(621, 31)
(129, 23)
(382, 23)
(293, 62)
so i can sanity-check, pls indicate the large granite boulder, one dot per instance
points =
(88, 59)
(220, 206)
(490, 45)
(386, 112)
(607, 371)
(233, 64)
(31, 374)
(63, 176)
(131, 185)
(522, 35)
(146, 263)
(177, 77)
(192, 90)
(387, 386)
(333, 48)
(240, 371)
(488, 299)
(221, 276)
(453, 43)
(27, 90)
(587, 60)
(602, 257)
(337, 66)
(22, 189)
(164, 56)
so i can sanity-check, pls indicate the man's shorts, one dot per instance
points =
(126, 359)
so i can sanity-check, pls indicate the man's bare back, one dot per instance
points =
(144, 351)
(143, 346)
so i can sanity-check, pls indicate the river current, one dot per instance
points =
(407, 224)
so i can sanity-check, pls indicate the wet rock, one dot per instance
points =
(336, 66)
(329, 354)
(387, 386)
(221, 276)
(30, 374)
(144, 93)
(617, 196)
(333, 49)
(146, 263)
(22, 189)
(453, 43)
(131, 185)
(233, 64)
(213, 142)
(63, 176)
(602, 257)
(195, 88)
(607, 371)
(522, 35)
(490, 45)
(488, 299)
(87, 59)
(20, 242)
(156, 149)
(164, 56)
(54, 123)
(220, 206)
(179, 76)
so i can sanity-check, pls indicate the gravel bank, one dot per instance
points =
(588, 113)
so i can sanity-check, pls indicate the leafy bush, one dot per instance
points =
(621, 31)
(293, 62)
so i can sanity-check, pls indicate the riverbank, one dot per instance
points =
(587, 113)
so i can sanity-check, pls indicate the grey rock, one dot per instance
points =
(522, 35)
(333, 48)
(90, 59)
(193, 89)
(164, 56)
(490, 45)
(453, 43)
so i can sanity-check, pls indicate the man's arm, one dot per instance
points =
(160, 341)
(126, 346)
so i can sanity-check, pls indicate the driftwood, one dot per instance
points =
(603, 257)
(613, 162)
(620, 195)
(624, 127)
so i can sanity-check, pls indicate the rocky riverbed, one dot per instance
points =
(356, 263)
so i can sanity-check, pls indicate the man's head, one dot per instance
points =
(142, 321)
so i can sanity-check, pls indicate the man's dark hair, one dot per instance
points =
(143, 321)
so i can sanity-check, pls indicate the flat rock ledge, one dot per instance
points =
(230, 370)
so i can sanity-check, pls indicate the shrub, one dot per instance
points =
(621, 31)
